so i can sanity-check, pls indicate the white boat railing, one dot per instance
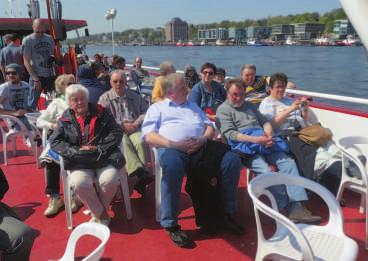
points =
(329, 96)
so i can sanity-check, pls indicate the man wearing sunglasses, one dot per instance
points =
(14, 95)
(129, 109)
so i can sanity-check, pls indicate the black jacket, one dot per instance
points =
(67, 139)
(204, 185)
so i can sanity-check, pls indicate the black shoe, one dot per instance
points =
(179, 237)
(143, 180)
(232, 226)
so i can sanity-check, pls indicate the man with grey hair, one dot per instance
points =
(256, 86)
(38, 49)
(182, 133)
(128, 109)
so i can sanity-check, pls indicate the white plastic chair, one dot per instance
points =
(68, 194)
(350, 151)
(8, 134)
(300, 241)
(93, 229)
(158, 176)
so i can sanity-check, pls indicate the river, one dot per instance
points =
(334, 70)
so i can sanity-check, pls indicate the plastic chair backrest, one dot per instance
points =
(102, 232)
(258, 187)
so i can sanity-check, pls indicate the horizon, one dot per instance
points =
(152, 14)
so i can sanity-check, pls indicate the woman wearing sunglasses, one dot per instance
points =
(208, 94)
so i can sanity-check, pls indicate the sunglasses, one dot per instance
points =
(207, 72)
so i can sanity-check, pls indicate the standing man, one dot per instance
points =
(38, 49)
(129, 109)
(11, 53)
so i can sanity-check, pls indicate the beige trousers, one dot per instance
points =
(134, 152)
(96, 188)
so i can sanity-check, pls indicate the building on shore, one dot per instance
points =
(237, 34)
(176, 30)
(258, 32)
(213, 34)
(280, 32)
(343, 28)
(308, 31)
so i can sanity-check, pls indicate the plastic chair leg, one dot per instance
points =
(68, 203)
(125, 191)
(158, 194)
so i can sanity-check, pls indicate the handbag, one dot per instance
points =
(315, 135)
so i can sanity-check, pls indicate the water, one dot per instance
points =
(334, 70)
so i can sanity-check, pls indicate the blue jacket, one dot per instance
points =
(255, 148)
(200, 96)
(87, 78)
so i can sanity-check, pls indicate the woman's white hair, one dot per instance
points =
(73, 89)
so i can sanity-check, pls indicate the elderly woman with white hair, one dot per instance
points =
(47, 120)
(88, 139)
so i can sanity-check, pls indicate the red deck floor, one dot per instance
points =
(142, 238)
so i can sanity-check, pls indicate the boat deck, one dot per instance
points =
(142, 237)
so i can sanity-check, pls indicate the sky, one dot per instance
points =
(155, 13)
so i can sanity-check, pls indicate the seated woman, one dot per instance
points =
(286, 113)
(165, 69)
(88, 139)
(191, 76)
(48, 119)
(208, 94)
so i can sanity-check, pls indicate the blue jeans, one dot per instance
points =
(283, 194)
(173, 164)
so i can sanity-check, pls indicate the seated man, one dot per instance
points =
(256, 86)
(236, 115)
(15, 96)
(179, 128)
(128, 109)
(138, 73)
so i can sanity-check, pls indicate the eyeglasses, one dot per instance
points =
(209, 73)
(118, 81)
(11, 73)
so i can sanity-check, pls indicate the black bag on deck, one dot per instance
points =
(204, 186)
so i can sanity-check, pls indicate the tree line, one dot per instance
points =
(157, 35)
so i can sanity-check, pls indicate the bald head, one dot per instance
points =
(38, 26)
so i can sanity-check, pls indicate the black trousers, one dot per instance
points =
(52, 178)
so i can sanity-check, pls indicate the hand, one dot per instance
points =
(196, 144)
(54, 126)
(296, 105)
(19, 113)
(266, 141)
(88, 147)
(129, 127)
(37, 85)
(211, 117)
